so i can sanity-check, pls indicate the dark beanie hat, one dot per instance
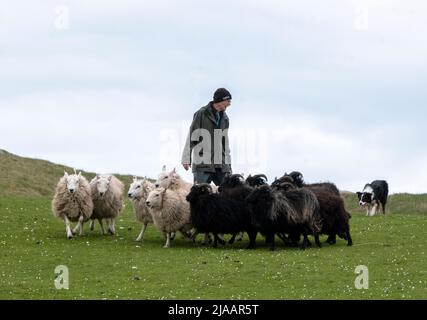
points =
(221, 94)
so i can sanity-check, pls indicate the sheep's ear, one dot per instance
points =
(174, 170)
(65, 174)
(164, 168)
(109, 178)
(80, 174)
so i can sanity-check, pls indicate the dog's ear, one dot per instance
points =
(359, 195)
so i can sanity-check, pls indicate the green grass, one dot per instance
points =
(33, 243)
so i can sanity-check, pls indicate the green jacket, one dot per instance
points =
(206, 160)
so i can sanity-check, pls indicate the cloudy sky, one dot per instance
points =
(335, 89)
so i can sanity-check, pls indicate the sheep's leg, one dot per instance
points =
(282, 237)
(240, 237)
(215, 244)
(271, 241)
(231, 241)
(252, 239)
(194, 235)
(207, 239)
(221, 237)
(305, 241)
(173, 234)
(92, 225)
(349, 240)
(102, 226)
(141, 235)
(317, 240)
(68, 228)
(168, 240)
(111, 227)
(81, 222)
(332, 239)
(79, 226)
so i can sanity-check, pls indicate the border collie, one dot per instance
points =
(373, 196)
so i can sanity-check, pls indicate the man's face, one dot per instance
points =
(222, 106)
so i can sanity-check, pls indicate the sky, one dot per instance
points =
(334, 89)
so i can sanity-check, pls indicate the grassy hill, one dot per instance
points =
(33, 243)
(33, 177)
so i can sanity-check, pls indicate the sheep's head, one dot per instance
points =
(135, 188)
(257, 180)
(165, 179)
(198, 190)
(155, 198)
(284, 186)
(102, 184)
(232, 181)
(285, 179)
(297, 177)
(73, 181)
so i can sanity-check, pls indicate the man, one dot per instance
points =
(208, 141)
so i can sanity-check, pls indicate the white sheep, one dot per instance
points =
(73, 202)
(107, 194)
(170, 213)
(173, 181)
(138, 194)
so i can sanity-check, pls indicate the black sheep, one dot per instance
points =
(335, 218)
(292, 212)
(297, 178)
(219, 214)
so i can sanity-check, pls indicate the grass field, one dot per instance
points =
(33, 243)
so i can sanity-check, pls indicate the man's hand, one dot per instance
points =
(186, 166)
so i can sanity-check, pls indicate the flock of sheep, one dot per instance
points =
(288, 207)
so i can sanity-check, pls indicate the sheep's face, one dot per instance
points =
(103, 184)
(165, 179)
(135, 189)
(197, 191)
(284, 186)
(73, 182)
(297, 178)
(139, 188)
(155, 198)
